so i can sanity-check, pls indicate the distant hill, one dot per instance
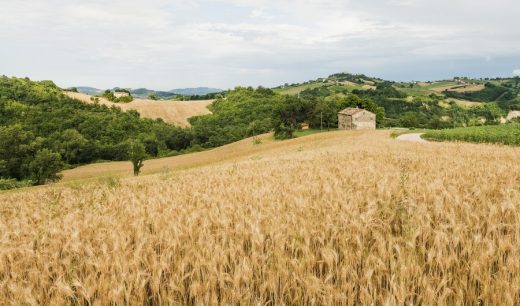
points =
(195, 91)
(88, 90)
(145, 92)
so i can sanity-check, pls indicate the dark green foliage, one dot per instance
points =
(178, 139)
(209, 96)
(45, 167)
(509, 105)
(288, 116)
(35, 116)
(231, 117)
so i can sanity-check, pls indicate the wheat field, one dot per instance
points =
(173, 112)
(341, 218)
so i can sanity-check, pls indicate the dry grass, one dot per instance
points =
(235, 151)
(345, 218)
(174, 112)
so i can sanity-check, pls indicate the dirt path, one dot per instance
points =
(415, 137)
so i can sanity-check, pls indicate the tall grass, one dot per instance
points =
(508, 134)
(340, 218)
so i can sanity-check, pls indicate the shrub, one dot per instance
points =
(6, 184)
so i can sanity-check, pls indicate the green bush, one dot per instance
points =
(6, 184)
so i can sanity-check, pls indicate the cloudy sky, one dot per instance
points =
(164, 44)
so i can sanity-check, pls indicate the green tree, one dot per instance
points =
(289, 115)
(325, 113)
(409, 119)
(70, 144)
(458, 115)
(137, 154)
(17, 146)
(153, 96)
(45, 167)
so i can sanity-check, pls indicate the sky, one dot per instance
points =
(162, 44)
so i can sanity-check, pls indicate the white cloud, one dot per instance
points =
(516, 72)
(224, 43)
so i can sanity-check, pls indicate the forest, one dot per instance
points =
(42, 131)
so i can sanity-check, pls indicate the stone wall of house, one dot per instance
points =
(364, 121)
(344, 122)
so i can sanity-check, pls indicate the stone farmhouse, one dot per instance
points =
(119, 94)
(356, 119)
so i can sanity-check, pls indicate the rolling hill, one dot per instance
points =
(174, 112)
(320, 218)
(200, 91)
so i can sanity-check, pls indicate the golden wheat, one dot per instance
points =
(342, 218)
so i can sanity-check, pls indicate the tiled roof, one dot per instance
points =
(351, 111)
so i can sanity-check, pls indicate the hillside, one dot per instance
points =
(433, 104)
(173, 112)
(334, 218)
(43, 131)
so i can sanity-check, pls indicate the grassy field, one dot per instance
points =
(294, 90)
(508, 134)
(345, 218)
(174, 112)
(437, 88)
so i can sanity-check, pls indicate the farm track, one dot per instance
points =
(415, 137)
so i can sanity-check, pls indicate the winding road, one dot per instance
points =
(415, 137)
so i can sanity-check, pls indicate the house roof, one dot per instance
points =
(351, 111)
